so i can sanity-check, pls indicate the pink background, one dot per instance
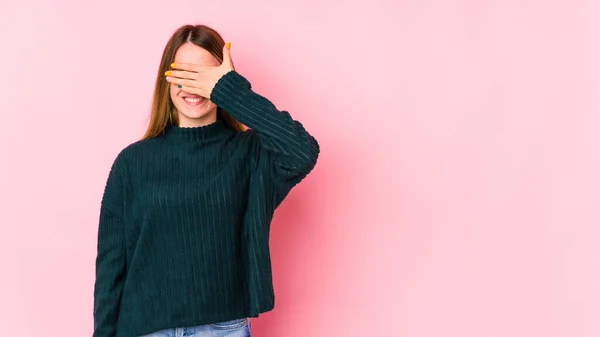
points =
(458, 189)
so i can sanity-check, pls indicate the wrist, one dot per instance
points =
(229, 86)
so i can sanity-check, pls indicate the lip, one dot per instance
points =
(193, 104)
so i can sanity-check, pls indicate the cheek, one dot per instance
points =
(174, 91)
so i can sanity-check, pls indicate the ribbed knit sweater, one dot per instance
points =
(183, 236)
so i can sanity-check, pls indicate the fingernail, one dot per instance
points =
(179, 86)
(172, 65)
(228, 45)
(167, 73)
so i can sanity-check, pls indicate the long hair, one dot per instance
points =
(163, 111)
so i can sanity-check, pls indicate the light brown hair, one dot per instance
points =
(163, 111)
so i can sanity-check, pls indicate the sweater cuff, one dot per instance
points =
(228, 87)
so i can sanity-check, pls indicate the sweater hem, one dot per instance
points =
(187, 323)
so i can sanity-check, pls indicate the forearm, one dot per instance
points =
(294, 149)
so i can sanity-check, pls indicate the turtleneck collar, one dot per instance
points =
(205, 133)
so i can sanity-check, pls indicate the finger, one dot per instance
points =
(227, 55)
(182, 74)
(196, 68)
(183, 82)
(193, 91)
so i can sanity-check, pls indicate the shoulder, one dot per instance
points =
(135, 148)
(250, 139)
(128, 153)
(248, 135)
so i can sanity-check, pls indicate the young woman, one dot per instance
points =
(183, 237)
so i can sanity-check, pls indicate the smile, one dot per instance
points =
(193, 100)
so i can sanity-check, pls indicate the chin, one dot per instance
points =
(198, 114)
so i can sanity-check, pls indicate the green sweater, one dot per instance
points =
(183, 237)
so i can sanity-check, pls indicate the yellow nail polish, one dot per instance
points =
(172, 65)
(167, 73)
(228, 45)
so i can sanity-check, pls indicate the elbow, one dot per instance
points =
(309, 156)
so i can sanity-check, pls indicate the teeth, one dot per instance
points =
(192, 100)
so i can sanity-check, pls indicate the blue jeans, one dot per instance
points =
(236, 328)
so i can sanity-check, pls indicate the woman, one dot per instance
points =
(183, 237)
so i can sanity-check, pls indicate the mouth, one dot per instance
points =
(193, 100)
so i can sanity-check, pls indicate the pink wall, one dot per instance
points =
(458, 189)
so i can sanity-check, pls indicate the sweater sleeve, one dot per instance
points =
(293, 150)
(110, 260)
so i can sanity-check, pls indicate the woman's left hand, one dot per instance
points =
(197, 79)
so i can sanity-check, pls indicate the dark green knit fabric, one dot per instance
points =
(183, 237)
